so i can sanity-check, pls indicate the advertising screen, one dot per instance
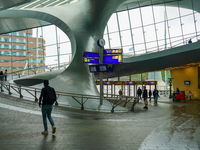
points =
(187, 82)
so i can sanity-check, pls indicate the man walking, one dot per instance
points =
(46, 97)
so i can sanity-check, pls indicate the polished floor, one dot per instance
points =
(167, 126)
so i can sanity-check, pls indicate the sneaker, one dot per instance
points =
(53, 129)
(44, 132)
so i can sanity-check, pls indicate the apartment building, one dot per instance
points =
(18, 51)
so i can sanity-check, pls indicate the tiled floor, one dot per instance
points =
(169, 125)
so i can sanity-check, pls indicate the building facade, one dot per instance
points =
(18, 51)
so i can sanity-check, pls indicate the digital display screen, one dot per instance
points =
(91, 60)
(112, 51)
(93, 68)
(103, 68)
(129, 83)
(150, 83)
(112, 59)
(106, 83)
(187, 82)
(91, 54)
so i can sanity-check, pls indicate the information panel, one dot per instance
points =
(91, 54)
(107, 82)
(112, 51)
(129, 82)
(112, 59)
(91, 60)
(118, 82)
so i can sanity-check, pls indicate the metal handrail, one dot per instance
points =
(81, 99)
(120, 100)
(156, 50)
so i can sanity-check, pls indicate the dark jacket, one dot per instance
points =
(139, 91)
(155, 92)
(150, 93)
(44, 96)
(144, 93)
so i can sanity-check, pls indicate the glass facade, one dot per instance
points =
(151, 29)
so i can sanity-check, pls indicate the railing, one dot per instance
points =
(155, 49)
(32, 71)
(117, 100)
(81, 99)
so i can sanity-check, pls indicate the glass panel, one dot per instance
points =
(147, 15)
(172, 12)
(123, 20)
(138, 35)
(105, 37)
(135, 18)
(152, 47)
(197, 17)
(175, 28)
(159, 13)
(188, 25)
(150, 33)
(139, 49)
(112, 23)
(114, 40)
(126, 38)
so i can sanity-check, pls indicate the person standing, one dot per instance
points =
(1, 75)
(5, 75)
(150, 94)
(177, 91)
(120, 94)
(47, 106)
(144, 95)
(155, 95)
(139, 93)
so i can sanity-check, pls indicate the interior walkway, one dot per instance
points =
(169, 125)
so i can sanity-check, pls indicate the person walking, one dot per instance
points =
(139, 93)
(47, 106)
(155, 95)
(150, 94)
(5, 75)
(144, 95)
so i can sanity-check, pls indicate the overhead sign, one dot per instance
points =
(91, 60)
(107, 82)
(139, 82)
(129, 82)
(112, 59)
(91, 54)
(112, 51)
(118, 82)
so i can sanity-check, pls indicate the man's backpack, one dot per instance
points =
(51, 95)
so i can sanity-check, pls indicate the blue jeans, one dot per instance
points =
(46, 113)
(5, 78)
(156, 98)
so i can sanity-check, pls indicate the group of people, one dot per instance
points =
(145, 95)
(3, 76)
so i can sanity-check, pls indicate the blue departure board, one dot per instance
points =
(91, 60)
(112, 51)
(112, 59)
(91, 54)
